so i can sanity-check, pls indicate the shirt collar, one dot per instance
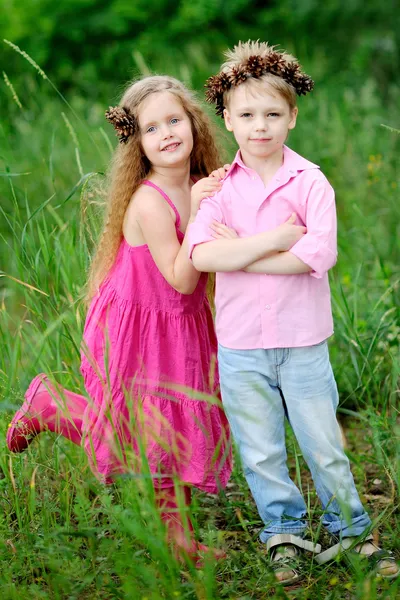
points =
(292, 163)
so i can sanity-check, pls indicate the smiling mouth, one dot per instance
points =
(260, 139)
(171, 147)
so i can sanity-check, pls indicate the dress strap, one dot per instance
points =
(164, 195)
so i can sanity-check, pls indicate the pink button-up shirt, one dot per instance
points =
(274, 311)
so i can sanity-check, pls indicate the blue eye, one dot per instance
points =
(246, 115)
(150, 129)
(274, 114)
(174, 121)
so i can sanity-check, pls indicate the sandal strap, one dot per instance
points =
(287, 538)
(379, 555)
(342, 546)
(334, 551)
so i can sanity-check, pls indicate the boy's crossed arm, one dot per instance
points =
(235, 254)
(282, 263)
(273, 263)
(282, 251)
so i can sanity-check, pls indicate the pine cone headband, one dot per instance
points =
(256, 66)
(123, 122)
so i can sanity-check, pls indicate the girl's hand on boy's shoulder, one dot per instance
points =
(203, 189)
(221, 172)
(221, 232)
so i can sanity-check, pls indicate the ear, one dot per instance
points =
(227, 119)
(294, 113)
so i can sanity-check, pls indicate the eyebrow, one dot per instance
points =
(250, 109)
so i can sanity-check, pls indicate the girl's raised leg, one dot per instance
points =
(46, 408)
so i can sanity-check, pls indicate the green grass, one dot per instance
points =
(64, 536)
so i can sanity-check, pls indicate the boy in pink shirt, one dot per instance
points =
(273, 311)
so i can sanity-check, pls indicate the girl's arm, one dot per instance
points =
(157, 225)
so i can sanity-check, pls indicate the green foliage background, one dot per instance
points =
(62, 535)
(89, 49)
(88, 44)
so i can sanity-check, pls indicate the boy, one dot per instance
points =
(273, 312)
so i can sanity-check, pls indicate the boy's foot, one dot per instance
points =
(382, 561)
(286, 564)
(287, 556)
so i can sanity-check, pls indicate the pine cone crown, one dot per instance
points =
(255, 66)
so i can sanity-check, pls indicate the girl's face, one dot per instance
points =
(165, 130)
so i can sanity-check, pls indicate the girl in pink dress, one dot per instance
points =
(149, 347)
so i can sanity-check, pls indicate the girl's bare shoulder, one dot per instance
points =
(147, 202)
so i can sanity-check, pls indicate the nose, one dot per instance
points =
(260, 124)
(165, 132)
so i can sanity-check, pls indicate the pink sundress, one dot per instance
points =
(149, 366)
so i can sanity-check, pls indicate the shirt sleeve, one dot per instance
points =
(199, 231)
(318, 247)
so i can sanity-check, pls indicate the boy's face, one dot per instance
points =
(260, 119)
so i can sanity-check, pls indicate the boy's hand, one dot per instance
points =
(288, 234)
(221, 172)
(221, 231)
(203, 189)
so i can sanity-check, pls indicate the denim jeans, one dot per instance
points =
(259, 388)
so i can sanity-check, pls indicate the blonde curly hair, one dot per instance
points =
(130, 166)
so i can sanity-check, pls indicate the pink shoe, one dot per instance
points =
(46, 407)
(24, 426)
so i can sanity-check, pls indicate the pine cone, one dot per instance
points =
(303, 85)
(216, 86)
(274, 63)
(123, 122)
(290, 72)
(212, 84)
(255, 65)
(237, 75)
(220, 107)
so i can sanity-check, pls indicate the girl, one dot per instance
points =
(148, 357)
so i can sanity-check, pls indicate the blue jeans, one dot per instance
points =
(259, 388)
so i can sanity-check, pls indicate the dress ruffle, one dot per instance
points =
(149, 365)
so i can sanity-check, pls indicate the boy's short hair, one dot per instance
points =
(258, 62)
(278, 84)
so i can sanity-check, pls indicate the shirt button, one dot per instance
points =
(254, 178)
(267, 306)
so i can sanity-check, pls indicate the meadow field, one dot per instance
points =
(65, 536)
